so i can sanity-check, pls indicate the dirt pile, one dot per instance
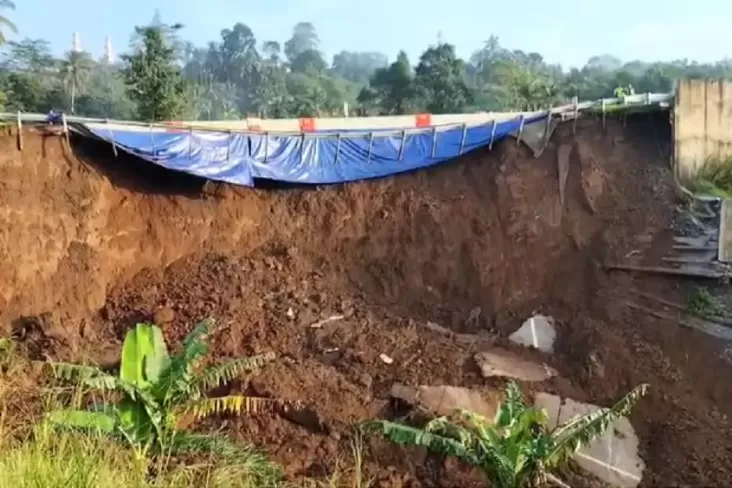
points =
(475, 245)
(489, 230)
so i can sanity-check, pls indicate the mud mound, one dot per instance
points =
(489, 230)
(476, 245)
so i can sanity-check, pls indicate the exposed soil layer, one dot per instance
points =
(476, 245)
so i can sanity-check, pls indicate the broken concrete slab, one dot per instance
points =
(443, 400)
(613, 457)
(499, 362)
(537, 331)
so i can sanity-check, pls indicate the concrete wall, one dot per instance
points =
(702, 125)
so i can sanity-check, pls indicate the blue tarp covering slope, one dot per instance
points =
(238, 158)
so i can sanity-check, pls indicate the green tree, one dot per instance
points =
(6, 23)
(272, 51)
(304, 38)
(213, 100)
(517, 449)
(358, 67)
(269, 92)
(306, 97)
(525, 89)
(75, 70)
(170, 33)
(440, 81)
(25, 93)
(484, 59)
(153, 79)
(29, 55)
(309, 61)
(237, 55)
(235, 62)
(392, 89)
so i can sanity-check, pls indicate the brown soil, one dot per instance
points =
(100, 242)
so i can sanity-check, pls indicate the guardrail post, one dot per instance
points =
(152, 140)
(371, 147)
(575, 102)
(302, 148)
(520, 130)
(547, 126)
(401, 146)
(338, 148)
(111, 138)
(190, 143)
(20, 132)
(65, 128)
(266, 143)
(604, 123)
(493, 134)
(434, 141)
(228, 146)
(462, 139)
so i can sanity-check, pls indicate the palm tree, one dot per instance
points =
(75, 70)
(526, 89)
(5, 22)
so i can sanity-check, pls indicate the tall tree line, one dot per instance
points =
(236, 76)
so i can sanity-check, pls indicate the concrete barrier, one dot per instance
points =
(702, 125)
(355, 123)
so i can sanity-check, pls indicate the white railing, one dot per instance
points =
(352, 126)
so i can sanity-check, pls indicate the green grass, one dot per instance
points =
(35, 455)
(702, 302)
(41, 456)
(703, 187)
(714, 178)
(50, 459)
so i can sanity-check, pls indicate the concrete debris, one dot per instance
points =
(319, 324)
(499, 362)
(386, 359)
(613, 457)
(537, 331)
(443, 400)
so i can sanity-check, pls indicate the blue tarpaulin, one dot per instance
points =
(314, 158)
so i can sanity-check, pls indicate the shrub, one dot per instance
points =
(156, 390)
(517, 449)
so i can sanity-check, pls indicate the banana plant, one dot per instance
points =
(515, 450)
(157, 390)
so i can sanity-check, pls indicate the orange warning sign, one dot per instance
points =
(307, 125)
(423, 120)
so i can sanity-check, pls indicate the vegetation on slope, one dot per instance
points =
(157, 391)
(517, 449)
(79, 436)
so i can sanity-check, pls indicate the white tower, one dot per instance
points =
(108, 52)
(76, 46)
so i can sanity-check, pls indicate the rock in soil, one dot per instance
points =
(164, 315)
(499, 362)
(443, 400)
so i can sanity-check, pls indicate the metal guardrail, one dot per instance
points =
(644, 99)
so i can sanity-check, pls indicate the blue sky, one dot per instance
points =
(565, 31)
